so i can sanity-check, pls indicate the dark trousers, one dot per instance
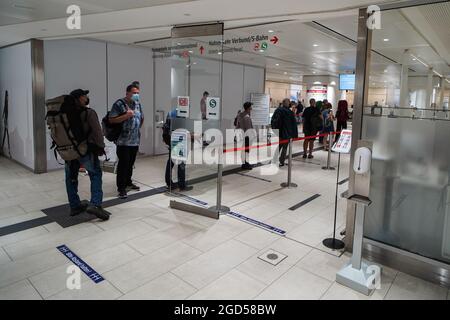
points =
(340, 126)
(283, 151)
(181, 173)
(127, 158)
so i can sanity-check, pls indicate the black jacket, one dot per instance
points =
(284, 120)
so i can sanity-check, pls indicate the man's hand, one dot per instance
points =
(130, 114)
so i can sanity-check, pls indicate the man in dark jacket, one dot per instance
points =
(284, 120)
(244, 122)
(91, 127)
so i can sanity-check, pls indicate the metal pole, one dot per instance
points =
(358, 237)
(328, 167)
(289, 183)
(218, 207)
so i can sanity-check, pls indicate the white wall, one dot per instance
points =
(16, 77)
(254, 81)
(103, 69)
(72, 64)
(125, 65)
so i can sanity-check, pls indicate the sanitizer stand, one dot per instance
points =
(355, 275)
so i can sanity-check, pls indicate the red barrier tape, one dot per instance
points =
(277, 143)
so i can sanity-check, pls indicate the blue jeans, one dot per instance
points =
(91, 163)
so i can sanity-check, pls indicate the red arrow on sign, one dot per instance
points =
(202, 50)
(274, 40)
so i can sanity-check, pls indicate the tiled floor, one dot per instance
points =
(149, 251)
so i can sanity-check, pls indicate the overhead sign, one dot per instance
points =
(344, 144)
(213, 108)
(183, 107)
(319, 93)
(260, 109)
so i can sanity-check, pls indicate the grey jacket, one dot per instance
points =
(244, 121)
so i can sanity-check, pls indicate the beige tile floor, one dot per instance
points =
(149, 251)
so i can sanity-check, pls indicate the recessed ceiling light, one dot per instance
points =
(385, 71)
(179, 43)
(195, 63)
(314, 72)
(190, 51)
(414, 59)
(315, 45)
(271, 31)
(385, 40)
(285, 72)
(314, 63)
(219, 52)
(277, 64)
(261, 50)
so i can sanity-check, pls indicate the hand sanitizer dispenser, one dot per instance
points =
(363, 160)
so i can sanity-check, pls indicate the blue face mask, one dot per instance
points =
(135, 97)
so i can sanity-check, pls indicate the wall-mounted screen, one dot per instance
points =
(346, 82)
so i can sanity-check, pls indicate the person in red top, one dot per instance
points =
(342, 117)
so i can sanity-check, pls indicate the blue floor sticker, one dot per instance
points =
(91, 273)
(193, 200)
(257, 223)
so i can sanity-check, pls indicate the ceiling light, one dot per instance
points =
(277, 64)
(219, 52)
(271, 31)
(385, 71)
(195, 63)
(179, 44)
(385, 40)
(317, 82)
(190, 51)
(333, 83)
(315, 45)
(414, 59)
(285, 72)
(314, 63)
(261, 50)
(314, 72)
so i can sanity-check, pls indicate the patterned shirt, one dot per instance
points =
(131, 134)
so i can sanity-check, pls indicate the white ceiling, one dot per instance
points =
(21, 11)
(134, 21)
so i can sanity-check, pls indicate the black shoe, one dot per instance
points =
(187, 188)
(82, 208)
(310, 156)
(305, 156)
(98, 212)
(123, 195)
(133, 187)
(282, 165)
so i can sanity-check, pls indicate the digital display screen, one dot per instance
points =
(346, 82)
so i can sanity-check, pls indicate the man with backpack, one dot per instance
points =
(77, 137)
(312, 124)
(127, 112)
(284, 120)
(167, 134)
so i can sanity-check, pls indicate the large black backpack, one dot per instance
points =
(276, 121)
(68, 127)
(111, 131)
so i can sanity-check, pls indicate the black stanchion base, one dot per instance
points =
(330, 168)
(334, 244)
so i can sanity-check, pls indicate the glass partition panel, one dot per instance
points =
(408, 122)
(196, 116)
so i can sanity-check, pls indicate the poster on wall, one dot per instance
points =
(183, 107)
(213, 108)
(319, 93)
(179, 145)
(260, 109)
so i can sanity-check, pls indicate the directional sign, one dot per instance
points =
(264, 46)
(202, 50)
(274, 40)
(213, 108)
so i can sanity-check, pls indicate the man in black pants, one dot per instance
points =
(127, 111)
(284, 120)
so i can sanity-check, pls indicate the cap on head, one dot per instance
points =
(79, 93)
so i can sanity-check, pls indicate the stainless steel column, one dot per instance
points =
(363, 56)
(289, 183)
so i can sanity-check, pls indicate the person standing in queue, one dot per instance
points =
(244, 122)
(84, 119)
(312, 124)
(203, 108)
(342, 117)
(127, 111)
(284, 120)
